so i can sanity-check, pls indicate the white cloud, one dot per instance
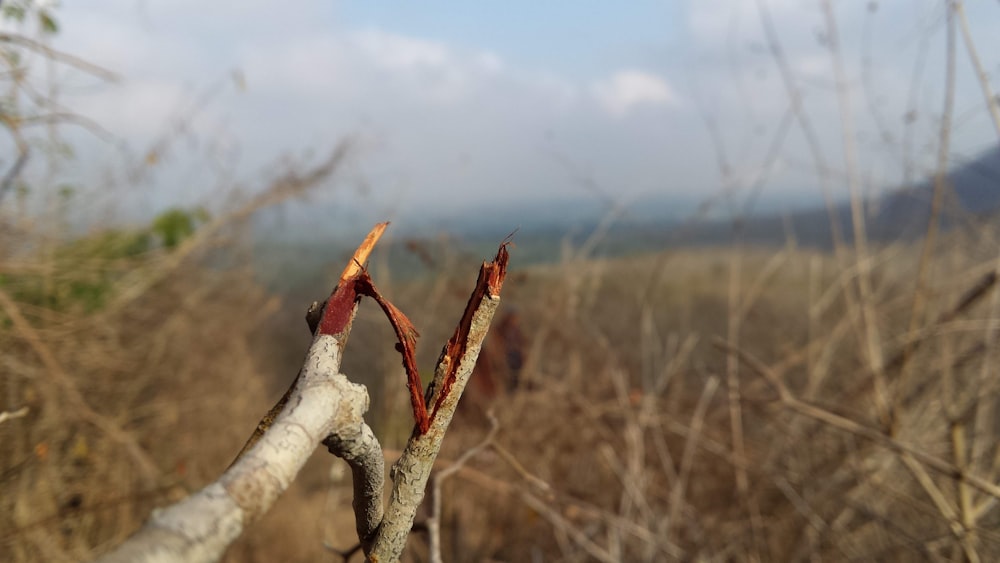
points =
(457, 118)
(399, 52)
(490, 62)
(140, 109)
(812, 65)
(627, 90)
(307, 67)
(714, 22)
(355, 66)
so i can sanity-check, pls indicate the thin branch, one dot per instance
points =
(941, 184)
(364, 454)
(688, 455)
(572, 532)
(360, 256)
(286, 187)
(10, 415)
(847, 425)
(60, 117)
(80, 409)
(58, 56)
(458, 358)
(989, 96)
(434, 522)
(872, 337)
(325, 407)
(13, 173)
(322, 404)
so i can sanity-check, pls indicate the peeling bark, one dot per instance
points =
(455, 365)
(323, 406)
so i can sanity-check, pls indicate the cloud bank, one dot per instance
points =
(447, 122)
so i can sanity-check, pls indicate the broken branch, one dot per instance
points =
(455, 365)
(323, 406)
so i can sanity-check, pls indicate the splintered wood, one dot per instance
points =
(355, 283)
(489, 284)
(324, 406)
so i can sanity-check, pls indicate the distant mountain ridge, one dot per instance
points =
(546, 230)
(973, 191)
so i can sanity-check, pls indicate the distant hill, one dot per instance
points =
(546, 229)
(973, 192)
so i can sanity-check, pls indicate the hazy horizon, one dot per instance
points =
(455, 107)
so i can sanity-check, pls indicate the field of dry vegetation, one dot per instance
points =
(719, 404)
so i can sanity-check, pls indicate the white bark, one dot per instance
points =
(324, 407)
(411, 472)
(200, 528)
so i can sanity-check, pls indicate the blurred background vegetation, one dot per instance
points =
(804, 385)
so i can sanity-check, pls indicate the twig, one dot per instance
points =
(346, 554)
(80, 408)
(984, 410)
(805, 124)
(964, 493)
(364, 454)
(10, 415)
(971, 297)
(325, 407)
(458, 358)
(734, 324)
(14, 172)
(513, 463)
(941, 184)
(360, 256)
(584, 508)
(322, 404)
(434, 522)
(687, 457)
(872, 337)
(286, 187)
(858, 429)
(406, 335)
(59, 56)
(989, 96)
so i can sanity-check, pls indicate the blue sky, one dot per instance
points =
(458, 104)
(581, 39)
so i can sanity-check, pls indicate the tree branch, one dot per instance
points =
(201, 527)
(434, 522)
(364, 454)
(455, 365)
(58, 56)
(323, 406)
(321, 403)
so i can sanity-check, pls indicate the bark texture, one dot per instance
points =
(323, 406)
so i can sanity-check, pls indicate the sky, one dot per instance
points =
(475, 105)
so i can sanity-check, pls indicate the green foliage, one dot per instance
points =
(83, 275)
(107, 246)
(175, 225)
(47, 22)
(15, 11)
(19, 11)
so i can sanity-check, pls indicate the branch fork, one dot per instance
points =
(323, 406)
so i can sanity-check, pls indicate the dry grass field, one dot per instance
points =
(732, 403)
(716, 404)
